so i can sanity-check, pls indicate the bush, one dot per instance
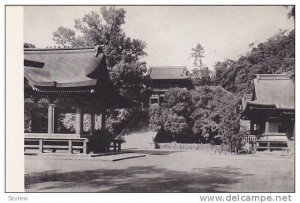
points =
(187, 136)
(204, 115)
(163, 137)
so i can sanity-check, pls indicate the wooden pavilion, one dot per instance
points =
(162, 78)
(74, 82)
(271, 111)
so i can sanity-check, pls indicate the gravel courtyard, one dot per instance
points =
(163, 171)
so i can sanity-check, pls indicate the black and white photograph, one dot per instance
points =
(158, 98)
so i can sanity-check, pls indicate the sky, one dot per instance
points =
(171, 32)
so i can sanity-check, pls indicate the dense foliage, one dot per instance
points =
(276, 55)
(205, 115)
(123, 54)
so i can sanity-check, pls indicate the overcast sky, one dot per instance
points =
(171, 31)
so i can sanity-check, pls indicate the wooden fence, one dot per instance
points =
(63, 143)
(184, 146)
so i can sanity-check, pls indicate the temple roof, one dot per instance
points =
(61, 67)
(274, 89)
(67, 72)
(272, 93)
(168, 72)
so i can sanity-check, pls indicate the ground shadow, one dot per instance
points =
(152, 152)
(136, 179)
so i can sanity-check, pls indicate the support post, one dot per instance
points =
(92, 122)
(115, 146)
(103, 121)
(267, 130)
(70, 146)
(267, 127)
(84, 147)
(158, 100)
(251, 128)
(41, 145)
(51, 118)
(119, 146)
(79, 120)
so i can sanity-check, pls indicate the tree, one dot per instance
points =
(197, 55)
(29, 45)
(205, 76)
(206, 115)
(171, 120)
(276, 55)
(220, 70)
(291, 13)
(200, 75)
(66, 37)
(123, 53)
(212, 109)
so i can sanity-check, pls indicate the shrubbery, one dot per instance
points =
(208, 114)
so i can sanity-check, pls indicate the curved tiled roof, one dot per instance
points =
(69, 71)
(61, 67)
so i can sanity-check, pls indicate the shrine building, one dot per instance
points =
(72, 82)
(163, 78)
(271, 111)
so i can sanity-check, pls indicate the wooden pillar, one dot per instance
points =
(158, 100)
(79, 120)
(251, 127)
(268, 145)
(267, 127)
(51, 118)
(41, 145)
(103, 121)
(70, 146)
(84, 147)
(119, 146)
(115, 146)
(92, 122)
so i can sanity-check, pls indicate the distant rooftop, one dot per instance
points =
(168, 72)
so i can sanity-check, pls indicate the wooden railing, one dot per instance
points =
(250, 139)
(53, 142)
